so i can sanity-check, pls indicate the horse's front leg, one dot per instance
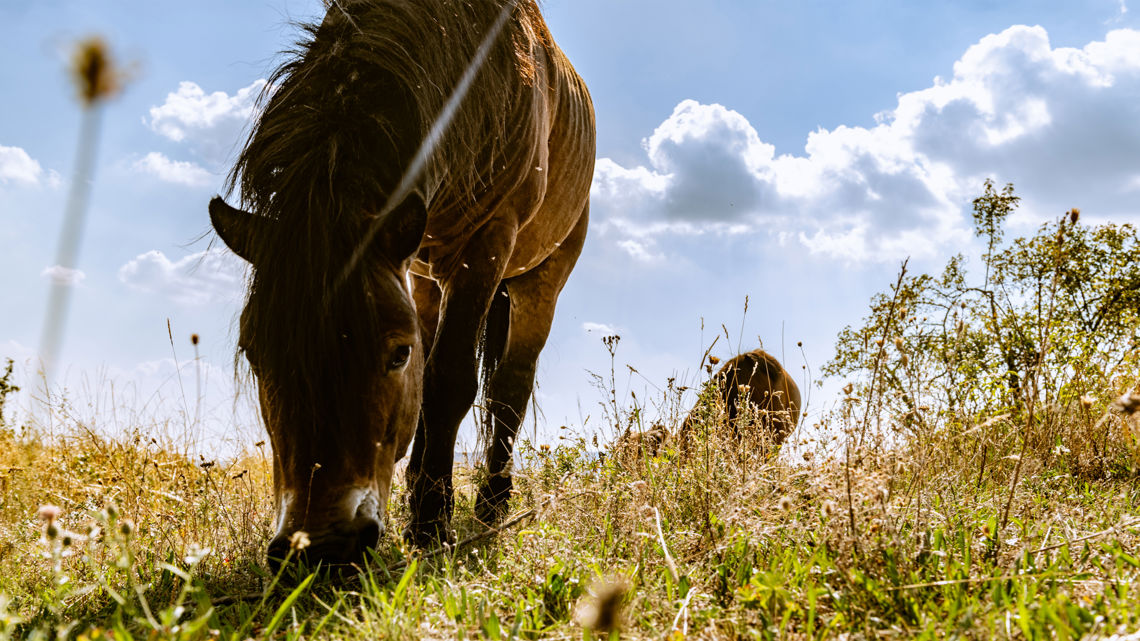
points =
(532, 298)
(451, 380)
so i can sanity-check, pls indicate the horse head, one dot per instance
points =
(338, 360)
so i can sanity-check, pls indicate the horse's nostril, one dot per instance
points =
(278, 550)
(368, 535)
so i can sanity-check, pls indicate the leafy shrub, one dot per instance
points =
(1050, 330)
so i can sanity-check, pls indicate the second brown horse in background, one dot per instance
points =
(758, 380)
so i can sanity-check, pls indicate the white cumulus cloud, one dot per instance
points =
(65, 276)
(18, 167)
(191, 109)
(211, 124)
(205, 277)
(174, 171)
(1063, 124)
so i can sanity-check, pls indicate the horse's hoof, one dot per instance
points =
(491, 504)
(430, 535)
(490, 514)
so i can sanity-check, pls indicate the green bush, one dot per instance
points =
(1050, 329)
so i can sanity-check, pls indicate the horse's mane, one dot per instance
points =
(346, 109)
(342, 117)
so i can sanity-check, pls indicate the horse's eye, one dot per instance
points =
(400, 357)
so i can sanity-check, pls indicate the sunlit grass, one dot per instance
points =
(720, 541)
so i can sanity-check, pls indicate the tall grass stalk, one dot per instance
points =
(96, 80)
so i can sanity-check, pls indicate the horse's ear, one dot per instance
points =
(401, 234)
(237, 228)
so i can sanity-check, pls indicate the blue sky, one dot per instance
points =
(790, 152)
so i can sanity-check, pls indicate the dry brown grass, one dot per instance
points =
(899, 534)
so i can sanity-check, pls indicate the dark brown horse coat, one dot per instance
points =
(757, 378)
(387, 268)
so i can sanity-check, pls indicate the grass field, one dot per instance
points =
(988, 529)
(1019, 524)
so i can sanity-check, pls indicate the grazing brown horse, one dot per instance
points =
(416, 193)
(757, 378)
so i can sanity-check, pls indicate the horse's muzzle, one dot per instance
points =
(341, 542)
(335, 547)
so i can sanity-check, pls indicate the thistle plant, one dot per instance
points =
(97, 79)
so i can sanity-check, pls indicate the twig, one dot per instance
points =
(882, 352)
(1127, 524)
(850, 498)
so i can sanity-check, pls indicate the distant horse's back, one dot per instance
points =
(758, 380)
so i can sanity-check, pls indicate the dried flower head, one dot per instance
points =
(848, 388)
(1087, 401)
(49, 513)
(1074, 215)
(194, 339)
(94, 72)
(300, 540)
(904, 359)
(785, 503)
(808, 455)
(127, 527)
(714, 360)
(898, 342)
(51, 531)
(601, 611)
(878, 342)
(829, 507)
